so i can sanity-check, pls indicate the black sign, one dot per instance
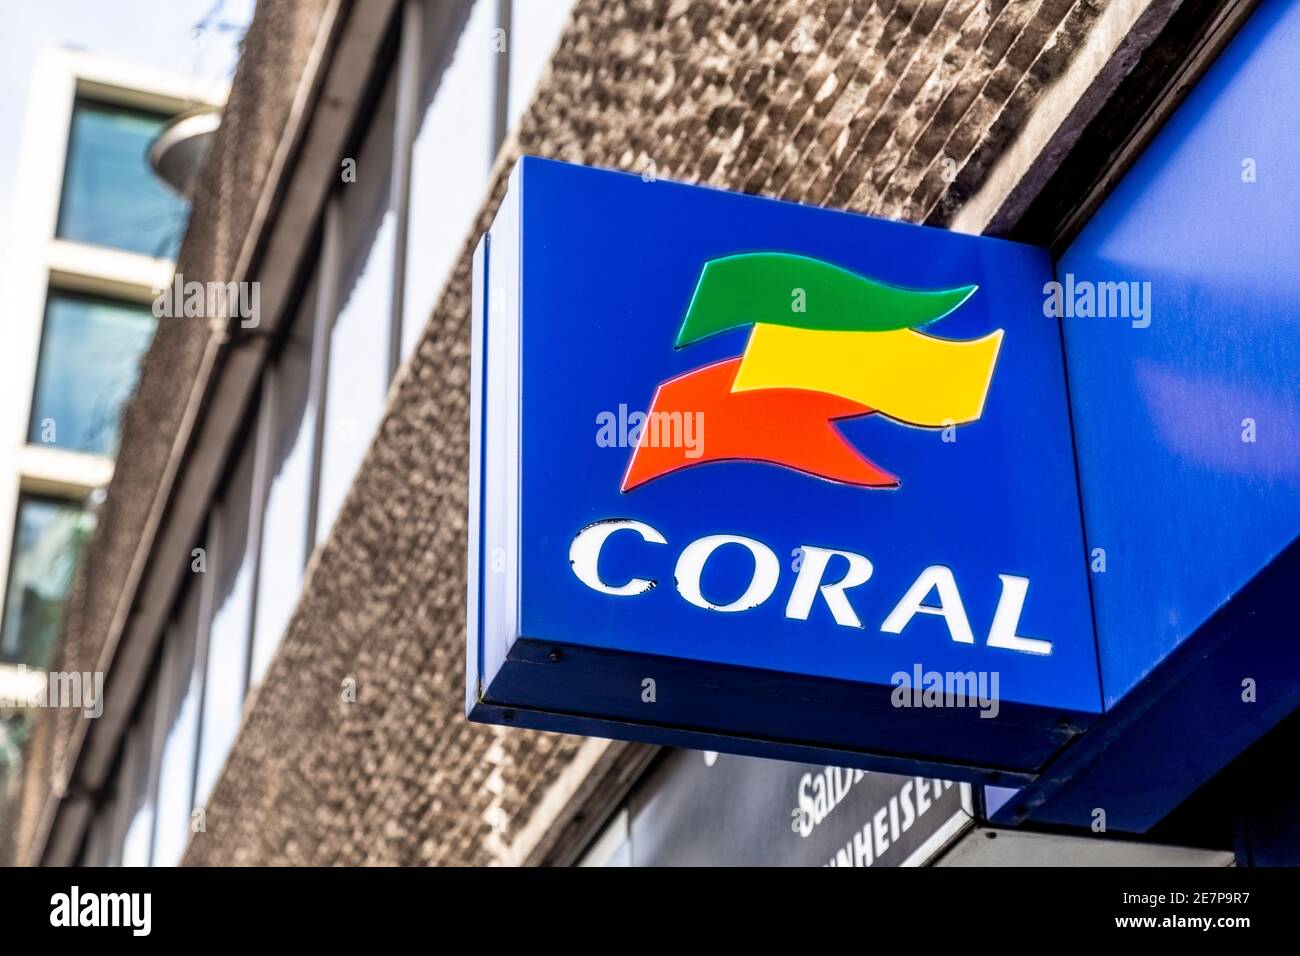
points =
(705, 809)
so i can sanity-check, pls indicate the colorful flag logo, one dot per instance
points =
(827, 344)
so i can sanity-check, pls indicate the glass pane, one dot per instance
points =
(535, 28)
(90, 358)
(284, 523)
(223, 690)
(182, 718)
(612, 847)
(48, 539)
(449, 163)
(14, 731)
(110, 195)
(135, 786)
(100, 850)
(358, 372)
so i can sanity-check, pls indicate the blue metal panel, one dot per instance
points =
(591, 273)
(1183, 723)
(1188, 435)
(1187, 511)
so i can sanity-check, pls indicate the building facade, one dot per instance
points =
(93, 234)
(277, 584)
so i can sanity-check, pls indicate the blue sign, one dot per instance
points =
(1186, 405)
(765, 478)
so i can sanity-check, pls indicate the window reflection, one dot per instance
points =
(181, 717)
(135, 784)
(535, 28)
(110, 195)
(450, 161)
(14, 731)
(284, 522)
(100, 851)
(49, 537)
(89, 362)
(358, 363)
(223, 682)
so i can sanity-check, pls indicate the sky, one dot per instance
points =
(191, 37)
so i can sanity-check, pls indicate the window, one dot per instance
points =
(135, 784)
(358, 354)
(99, 849)
(89, 361)
(535, 28)
(110, 195)
(48, 540)
(612, 848)
(181, 718)
(450, 162)
(227, 654)
(14, 730)
(284, 522)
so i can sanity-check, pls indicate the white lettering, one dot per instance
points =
(806, 585)
(584, 555)
(133, 910)
(584, 558)
(950, 607)
(1007, 618)
(691, 565)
